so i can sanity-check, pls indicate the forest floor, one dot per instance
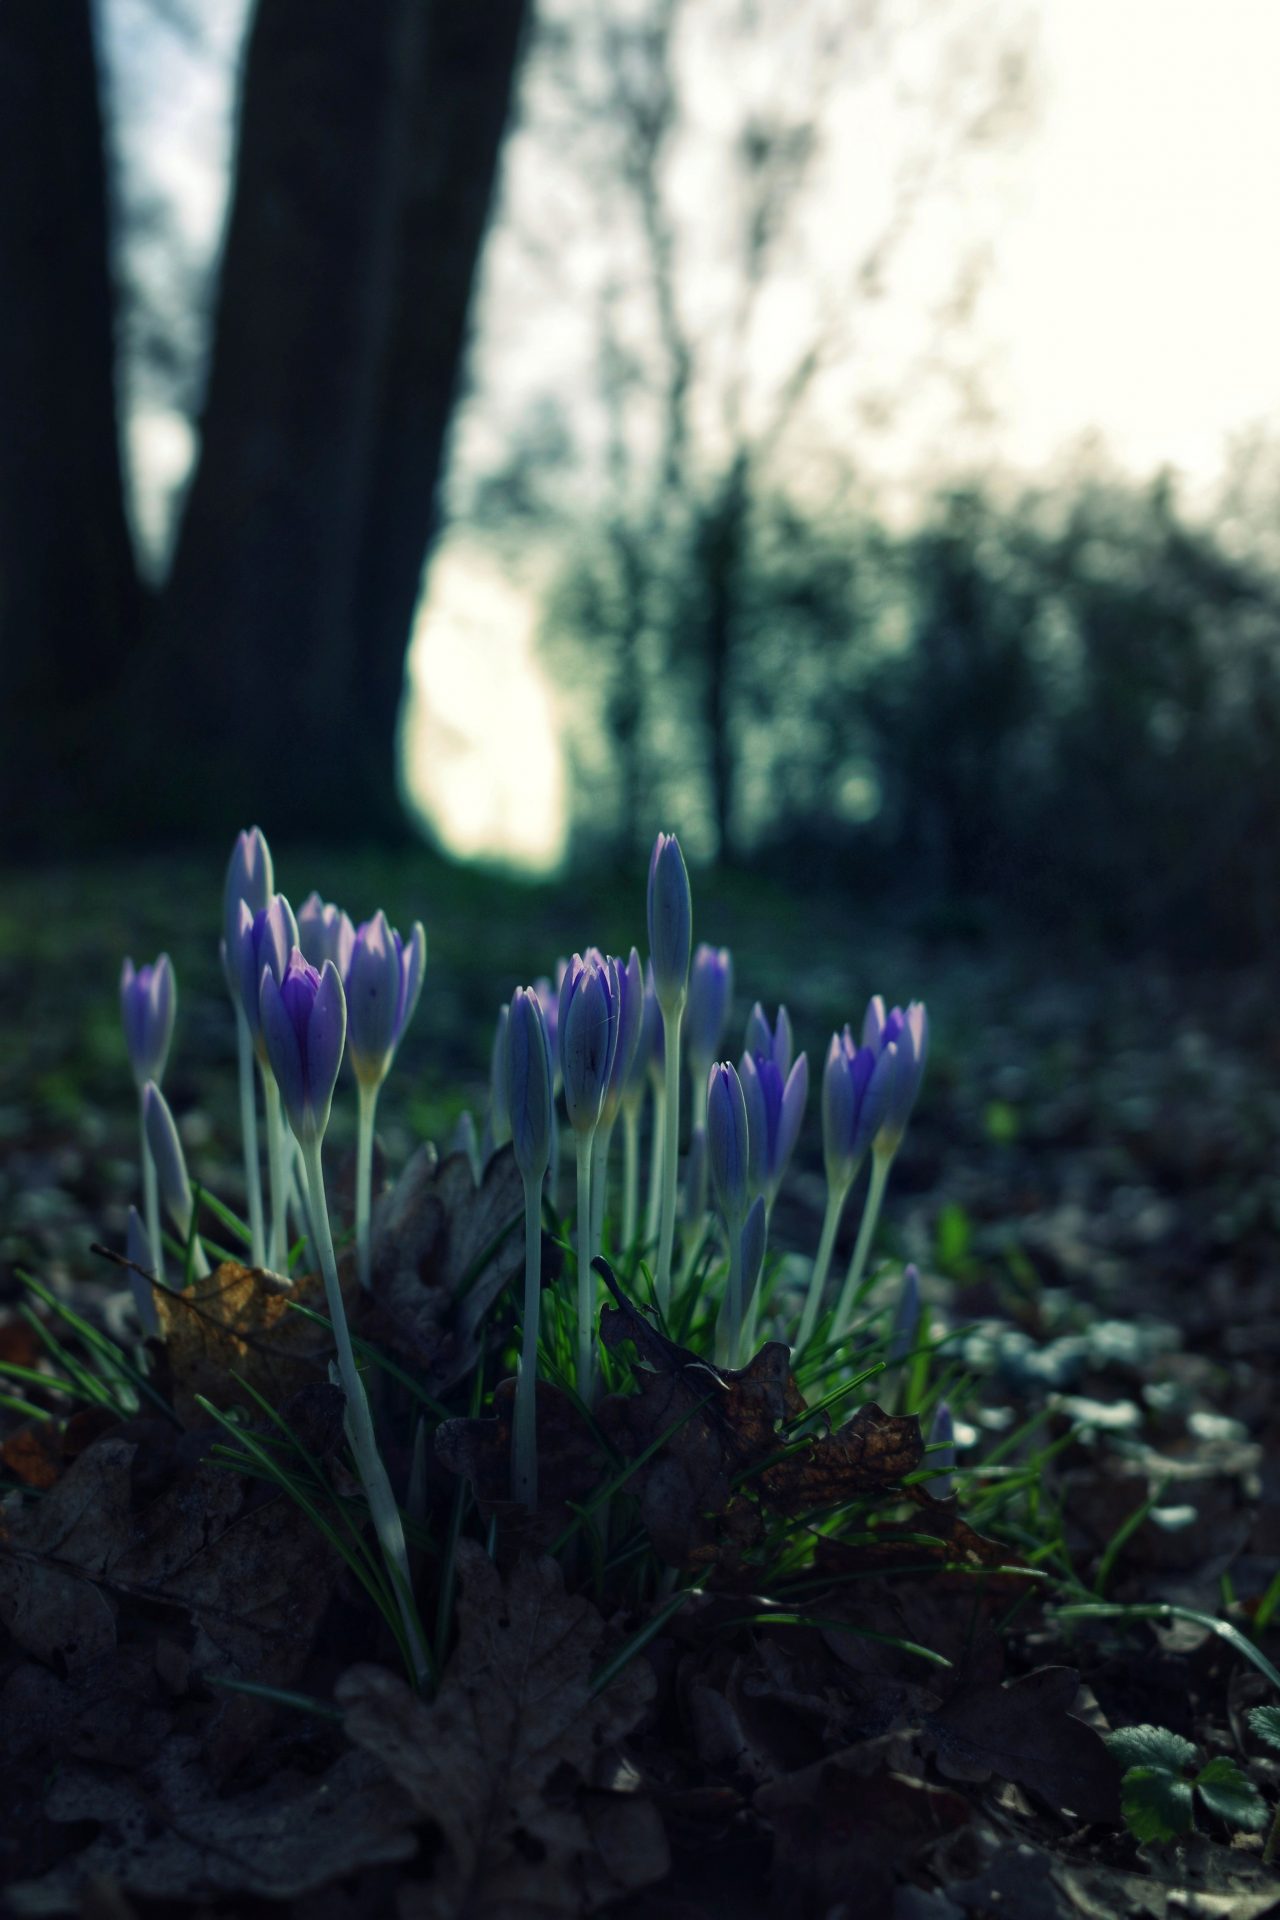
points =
(1091, 1190)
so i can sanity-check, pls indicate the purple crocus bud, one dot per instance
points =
(630, 1022)
(167, 1156)
(249, 878)
(529, 1084)
(852, 1108)
(304, 1028)
(549, 1000)
(770, 1043)
(728, 1142)
(707, 1011)
(942, 1439)
(590, 1003)
(137, 1249)
(382, 983)
(774, 1112)
(906, 1318)
(901, 1041)
(263, 939)
(650, 1036)
(148, 1003)
(325, 933)
(670, 922)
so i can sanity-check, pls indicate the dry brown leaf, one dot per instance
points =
(235, 1323)
(443, 1251)
(511, 1761)
(166, 1835)
(249, 1568)
(1024, 1732)
(700, 1492)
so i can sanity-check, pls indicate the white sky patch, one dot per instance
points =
(479, 742)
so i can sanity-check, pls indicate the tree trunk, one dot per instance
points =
(70, 598)
(368, 142)
(720, 557)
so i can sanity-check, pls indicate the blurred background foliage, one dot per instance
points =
(662, 316)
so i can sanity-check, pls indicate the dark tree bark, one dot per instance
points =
(70, 599)
(721, 538)
(368, 142)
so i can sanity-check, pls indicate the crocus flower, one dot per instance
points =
(755, 1232)
(906, 1318)
(383, 982)
(774, 1112)
(528, 1077)
(630, 1022)
(590, 1006)
(707, 1010)
(728, 1143)
(549, 1000)
(263, 939)
(148, 1002)
(249, 878)
(852, 1108)
(670, 905)
(304, 1026)
(325, 933)
(770, 1042)
(900, 1042)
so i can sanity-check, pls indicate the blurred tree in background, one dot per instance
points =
(367, 144)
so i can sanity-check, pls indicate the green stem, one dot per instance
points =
(630, 1173)
(670, 1154)
(729, 1320)
(151, 1200)
(383, 1510)
(249, 1135)
(278, 1246)
(600, 1179)
(836, 1197)
(852, 1293)
(697, 1171)
(586, 1279)
(653, 1212)
(524, 1429)
(366, 1107)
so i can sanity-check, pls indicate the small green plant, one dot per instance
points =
(1265, 1722)
(1159, 1791)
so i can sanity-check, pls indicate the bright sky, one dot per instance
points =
(1133, 291)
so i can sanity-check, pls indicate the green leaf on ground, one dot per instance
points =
(1148, 1746)
(1226, 1792)
(1156, 1803)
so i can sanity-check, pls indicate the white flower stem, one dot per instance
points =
(653, 1211)
(836, 1197)
(852, 1293)
(278, 1247)
(524, 1430)
(366, 1108)
(630, 1174)
(249, 1135)
(383, 1510)
(670, 1155)
(586, 1279)
(151, 1199)
(696, 1194)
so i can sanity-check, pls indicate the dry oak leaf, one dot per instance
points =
(443, 1250)
(1024, 1732)
(234, 1326)
(252, 1572)
(166, 1834)
(725, 1431)
(512, 1761)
